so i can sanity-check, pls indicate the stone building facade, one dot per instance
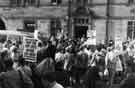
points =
(86, 17)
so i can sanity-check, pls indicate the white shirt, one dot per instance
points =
(56, 85)
(59, 56)
(112, 56)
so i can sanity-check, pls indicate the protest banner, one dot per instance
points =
(118, 43)
(30, 52)
(91, 35)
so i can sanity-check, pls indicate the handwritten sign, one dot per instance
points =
(118, 43)
(30, 52)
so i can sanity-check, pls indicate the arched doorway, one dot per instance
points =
(82, 20)
(2, 25)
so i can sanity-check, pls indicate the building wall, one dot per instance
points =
(120, 29)
(14, 24)
(100, 27)
(120, 14)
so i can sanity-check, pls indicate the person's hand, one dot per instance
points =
(106, 72)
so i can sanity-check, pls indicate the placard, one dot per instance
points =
(118, 44)
(30, 52)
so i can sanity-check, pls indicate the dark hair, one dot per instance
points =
(9, 41)
(50, 76)
(40, 44)
(111, 43)
(15, 50)
(99, 47)
(4, 53)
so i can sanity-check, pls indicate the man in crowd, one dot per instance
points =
(49, 81)
(128, 82)
(13, 78)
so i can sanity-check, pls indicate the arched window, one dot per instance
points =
(2, 25)
(19, 3)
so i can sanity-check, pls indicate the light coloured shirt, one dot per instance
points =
(59, 57)
(56, 85)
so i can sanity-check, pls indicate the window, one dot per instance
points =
(56, 2)
(29, 26)
(131, 30)
(131, 1)
(81, 21)
(24, 3)
(55, 26)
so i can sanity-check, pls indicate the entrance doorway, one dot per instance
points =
(80, 31)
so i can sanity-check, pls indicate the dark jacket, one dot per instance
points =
(129, 82)
(13, 79)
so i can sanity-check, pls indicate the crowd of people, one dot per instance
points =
(67, 62)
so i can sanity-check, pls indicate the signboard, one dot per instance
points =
(118, 43)
(30, 52)
(91, 34)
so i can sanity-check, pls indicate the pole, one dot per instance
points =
(69, 18)
(107, 20)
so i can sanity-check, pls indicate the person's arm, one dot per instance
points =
(106, 60)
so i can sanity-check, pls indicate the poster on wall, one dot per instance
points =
(91, 35)
(30, 52)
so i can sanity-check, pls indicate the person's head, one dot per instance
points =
(21, 60)
(40, 44)
(111, 43)
(9, 43)
(15, 54)
(93, 48)
(49, 42)
(99, 47)
(4, 54)
(14, 43)
(50, 77)
(81, 48)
